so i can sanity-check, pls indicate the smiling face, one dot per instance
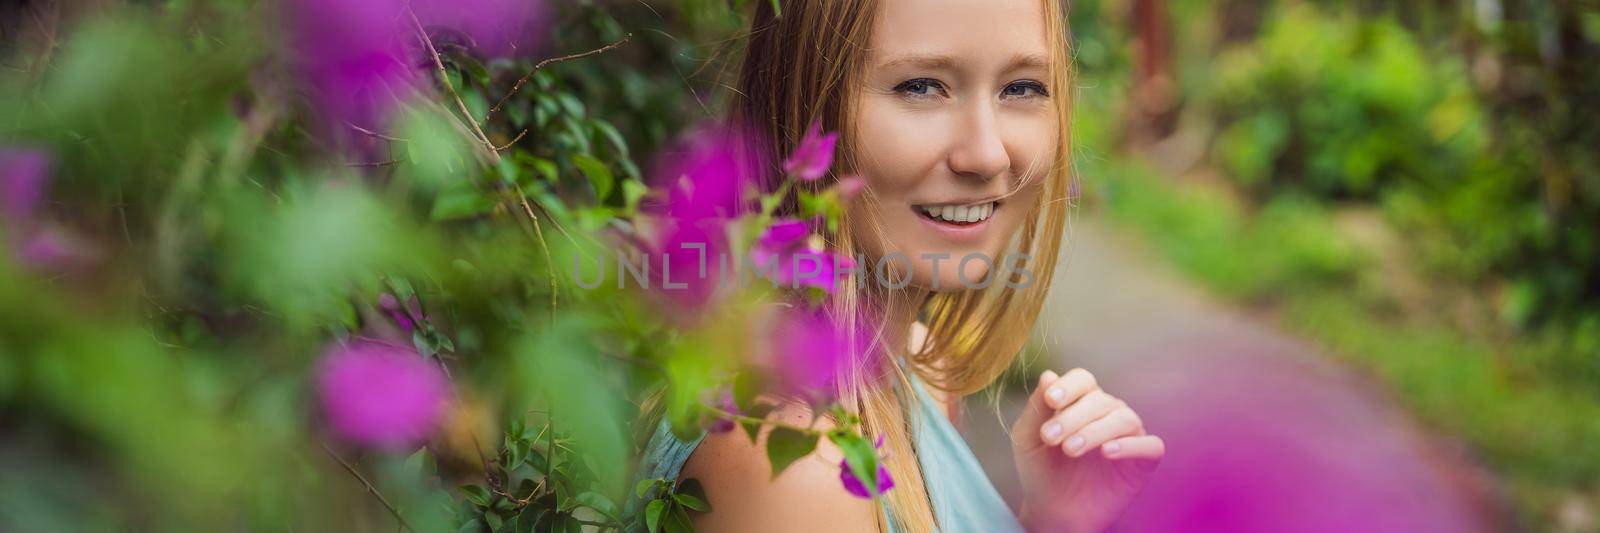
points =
(955, 129)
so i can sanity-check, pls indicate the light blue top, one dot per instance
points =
(963, 499)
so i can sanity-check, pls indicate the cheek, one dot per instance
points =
(896, 150)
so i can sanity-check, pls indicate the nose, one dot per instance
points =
(978, 152)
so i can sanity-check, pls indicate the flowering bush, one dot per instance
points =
(315, 265)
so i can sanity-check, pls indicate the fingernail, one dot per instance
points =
(1075, 443)
(1056, 395)
(1113, 448)
(1052, 430)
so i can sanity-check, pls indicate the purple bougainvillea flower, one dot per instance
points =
(705, 179)
(381, 395)
(351, 54)
(23, 174)
(705, 182)
(814, 156)
(396, 312)
(720, 423)
(782, 252)
(493, 28)
(849, 186)
(687, 266)
(810, 348)
(856, 487)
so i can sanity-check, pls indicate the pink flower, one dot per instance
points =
(361, 59)
(782, 251)
(398, 313)
(380, 395)
(705, 182)
(814, 156)
(856, 487)
(492, 28)
(849, 186)
(705, 178)
(720, 423)
(352, 56)
(23, 174)
(810, 349)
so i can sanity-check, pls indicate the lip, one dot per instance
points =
(965, 201)
(967, 232)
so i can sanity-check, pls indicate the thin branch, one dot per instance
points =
(375, 134)
(370, 488)
(547, 62)
(539, 233)
(736, 417)
(375, 163)
(513, 141)
(438, 64)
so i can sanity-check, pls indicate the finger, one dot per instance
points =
(1120, 422)
(1025, 432)
(1147, 447)
(1068, 422)
(1073, 385)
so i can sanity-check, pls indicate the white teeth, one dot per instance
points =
(960, 213)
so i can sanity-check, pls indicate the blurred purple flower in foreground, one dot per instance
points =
(783, 251)
(704, 184)
(705, 178)
(22, 183)
(810, 349)
(24, 179)
(362, 58)
(381, 395)
(352, 56)
(401, 315)
(814, 156)
(853, 484)
(721, 423)
(493, 28)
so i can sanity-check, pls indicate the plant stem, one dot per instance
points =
(370, 488)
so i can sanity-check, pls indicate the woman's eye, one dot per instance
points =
(920, 88)
(1021, 89)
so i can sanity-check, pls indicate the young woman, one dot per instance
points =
(955, 114)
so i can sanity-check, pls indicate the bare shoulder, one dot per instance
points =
(745, 497)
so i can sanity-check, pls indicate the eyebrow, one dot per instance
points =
(938, 61)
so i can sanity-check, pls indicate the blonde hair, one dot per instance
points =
(807, 65)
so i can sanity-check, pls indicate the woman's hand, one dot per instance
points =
(1082, 454)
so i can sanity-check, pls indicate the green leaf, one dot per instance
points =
(613, 137)
(476, 494)
(599, 502)
(653, 514)
(460, 202)
(860, 456)
(692, 502)
(644, 487)
(632, 192)
(494, 520)
(599, 175)
(472, 67)
(570, 104)
(785, 446)
(691, 487)
(758, 411)
(678, 521)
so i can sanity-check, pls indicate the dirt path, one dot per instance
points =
(1263, 433)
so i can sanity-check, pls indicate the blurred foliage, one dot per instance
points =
(1463, 119)
(213, 235)
(1462, 125)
